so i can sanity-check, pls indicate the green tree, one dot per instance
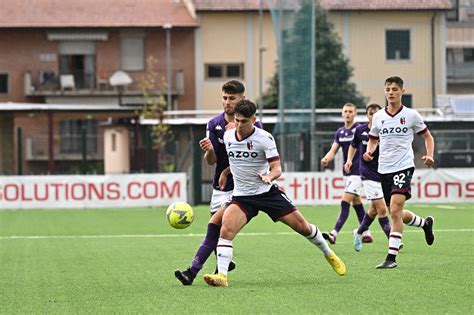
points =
(154, 107)
(333, 71)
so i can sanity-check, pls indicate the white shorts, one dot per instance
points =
(353, 184)
(219, 198)
(373, 189)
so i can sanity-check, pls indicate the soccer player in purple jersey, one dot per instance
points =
(222, 184)
(352, 180)
(255, 163)
(370, 178)
(393, 130)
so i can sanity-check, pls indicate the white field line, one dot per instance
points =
(41, 237)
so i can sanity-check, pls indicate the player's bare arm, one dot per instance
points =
(350, 155)
(275, 172)
(209, 154)
(371, 146)
(223, 177)
(429, 145)
(330, 155)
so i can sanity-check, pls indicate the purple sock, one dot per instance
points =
(385, 224)
(366, 222)
(343, 215)
(208, 245)
(359, 208)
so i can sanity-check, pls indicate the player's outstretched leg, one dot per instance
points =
(317, 239)
(426, 224)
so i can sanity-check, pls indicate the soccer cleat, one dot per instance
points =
(400, 247)
(336, 263)
(218, 280)
(357, 241)
(386, 265)
(329, 237)
(184, 277)
(428, 229)
(367, 237)
(232, 266)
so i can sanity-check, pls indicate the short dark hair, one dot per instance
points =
(233, 87)
(372, 105)
(246, 108)
(397, 80)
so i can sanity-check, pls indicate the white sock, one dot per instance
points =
(224, 255)
(394, 242)
(317, 239)
(417, 221)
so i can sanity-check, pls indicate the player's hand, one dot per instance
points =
(266, 178)
(230, 125)
(206, 144)
(428, 160)
(367, 156)
(324, 162)
(347, 166)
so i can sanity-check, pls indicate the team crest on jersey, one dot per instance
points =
(402, 120)
(218, 127)
(250, 145)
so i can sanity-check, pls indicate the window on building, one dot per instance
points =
(71, 134)
(407, 100)
(397, 44)
(132, 50)
(468, 54)
(224, 71)
(3, 83)
(453, 14)
(78, 58)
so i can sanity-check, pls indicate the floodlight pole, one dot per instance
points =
(168, 28)
(314, 149)
(261, 49)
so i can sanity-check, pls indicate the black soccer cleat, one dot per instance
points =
(232, 266)
(184, 277)
(329, 237)
(388, 264)
(428, 229)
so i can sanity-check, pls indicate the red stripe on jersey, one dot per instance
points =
(422, 132)
(275, 158)
(373, 137)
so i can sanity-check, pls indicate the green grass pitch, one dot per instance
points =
(105, 261)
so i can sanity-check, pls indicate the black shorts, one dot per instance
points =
(274, 203)
(397, 183)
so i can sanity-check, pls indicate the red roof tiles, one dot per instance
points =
(364, 5)
(95, 13)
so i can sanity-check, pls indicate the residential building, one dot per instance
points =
(231, 38)
(386, 38)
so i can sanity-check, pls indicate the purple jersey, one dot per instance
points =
(215, 132)
(367, 170)
(344, 138)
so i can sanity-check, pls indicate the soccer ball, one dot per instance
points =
(180, 215)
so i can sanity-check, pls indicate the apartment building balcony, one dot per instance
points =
(86, 87)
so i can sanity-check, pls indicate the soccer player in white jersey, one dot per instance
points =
(393, 130)
(215, 154)
(255, 165)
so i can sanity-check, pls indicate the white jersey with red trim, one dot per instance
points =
(395, 134)
(248, 158)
